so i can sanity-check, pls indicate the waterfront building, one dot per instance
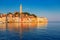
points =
(16, 17)
(42, 19)
(0, 19)
(4, 18)
(9, 17)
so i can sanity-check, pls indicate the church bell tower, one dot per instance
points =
(20, 8)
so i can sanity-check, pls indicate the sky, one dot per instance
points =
(44, 8)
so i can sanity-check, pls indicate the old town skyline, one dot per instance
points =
(48, 8)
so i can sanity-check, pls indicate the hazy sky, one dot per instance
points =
(47, 8)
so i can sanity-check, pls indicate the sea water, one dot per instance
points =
(10, 31)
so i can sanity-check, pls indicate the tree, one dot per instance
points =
(33, 15)
(9, 13)
(16, 13)
(26, 13)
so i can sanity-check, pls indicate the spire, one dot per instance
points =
(20, 8)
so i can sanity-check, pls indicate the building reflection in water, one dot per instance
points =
(2, 26)
(42, 25)
(21, 27)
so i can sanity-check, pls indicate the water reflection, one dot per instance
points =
(19, 28)
(2, 26)
(42, 25)
(12, 26)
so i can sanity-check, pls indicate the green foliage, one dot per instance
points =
(9, 13)
(16, 13)
(33, 15)
(26, 13)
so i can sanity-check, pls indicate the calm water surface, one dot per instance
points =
(30, 31)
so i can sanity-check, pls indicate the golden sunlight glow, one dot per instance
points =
(21, 26)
